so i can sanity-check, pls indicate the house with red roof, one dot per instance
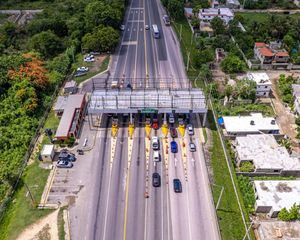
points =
(269, 55)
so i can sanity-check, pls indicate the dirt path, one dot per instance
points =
(44, 229)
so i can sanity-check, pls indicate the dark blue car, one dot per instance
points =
(174, 147)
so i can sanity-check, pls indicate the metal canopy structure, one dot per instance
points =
(158, 100)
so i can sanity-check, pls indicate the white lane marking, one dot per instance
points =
(106, 208)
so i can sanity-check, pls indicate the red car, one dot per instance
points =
(155, 124)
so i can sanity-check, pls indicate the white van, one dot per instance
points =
(156, 156)
(155, 143)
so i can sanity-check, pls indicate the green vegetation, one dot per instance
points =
(230, 220)
(22, 211)
(233, 64)
(25, 4)
(243, 109)
(248, 192)
(60, 224)
(246, 167)
(263, 4)
(263, 27)
(285, 88)
(292, 214)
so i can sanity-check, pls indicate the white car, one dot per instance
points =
(171, 118)
(89, 59)
(147, 27)
(82, 69)
(122, 27)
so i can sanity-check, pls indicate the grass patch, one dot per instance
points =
(60, 224)
(21, 212)
(52, 121)
(250, 17)
(93, 70)
(230, 220)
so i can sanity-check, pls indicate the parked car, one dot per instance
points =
(89, 58)
(177, 185)
(173, 132)
(80, 151)
(174, 147)
(192, 147)
(64, 155)
(79, 74)
(156, 180)
(147, 27)
(82, 69)
(64, 164)
(122, 27)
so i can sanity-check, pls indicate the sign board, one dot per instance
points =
(148, 110)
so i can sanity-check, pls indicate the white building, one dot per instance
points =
(210, 13)
(47, 153)
(274, 195)
(263, 83)
(255, 123)
(296, 94)
(266, 155)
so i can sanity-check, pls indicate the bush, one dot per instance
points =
(246, 167)
(247, 192)
(232, 64)
(290, 215)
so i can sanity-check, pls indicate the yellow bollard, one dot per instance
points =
(148, 130)
(130, 130)
(181, 130)
(165, 130)
(114, 130)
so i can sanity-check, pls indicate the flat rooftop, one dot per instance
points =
(289, 230)
(47, 149)
(265, 152)
(60, 103)
(74, 102)
(277, 194)
(132, 101)
(215, 12)
(240, 124)
(261, 78)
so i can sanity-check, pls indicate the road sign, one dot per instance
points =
(148, 110)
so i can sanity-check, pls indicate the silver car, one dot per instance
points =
(192, 147)
(64, 164)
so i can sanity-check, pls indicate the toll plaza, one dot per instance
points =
(147, 101)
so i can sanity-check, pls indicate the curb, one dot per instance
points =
(47, 188)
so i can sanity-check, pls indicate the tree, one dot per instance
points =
(103, 39)
(232, 64)
(175, 8)
(205, 72)
(100, 13)
(246, 89)
(203, 56)
(46, 43)
(218, 25)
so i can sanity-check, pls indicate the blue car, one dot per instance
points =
(174, 147)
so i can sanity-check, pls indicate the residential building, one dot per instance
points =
(296, 90)
(215, 4)
(73, 114)
(209, 14)
(274, 195)
(188, 12)
(233, 4)
(255, 123)
(266, 155)
(263, 83)
(47, 153)
(267, 54)
(70, 87)
(206, 28)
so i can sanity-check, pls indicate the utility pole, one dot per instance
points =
(180, 31)
(188, 61)
(30, 194)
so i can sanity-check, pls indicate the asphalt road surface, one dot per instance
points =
(112, 204)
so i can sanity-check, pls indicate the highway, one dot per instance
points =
(114, 205)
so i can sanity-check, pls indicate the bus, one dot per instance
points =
(155, 31)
